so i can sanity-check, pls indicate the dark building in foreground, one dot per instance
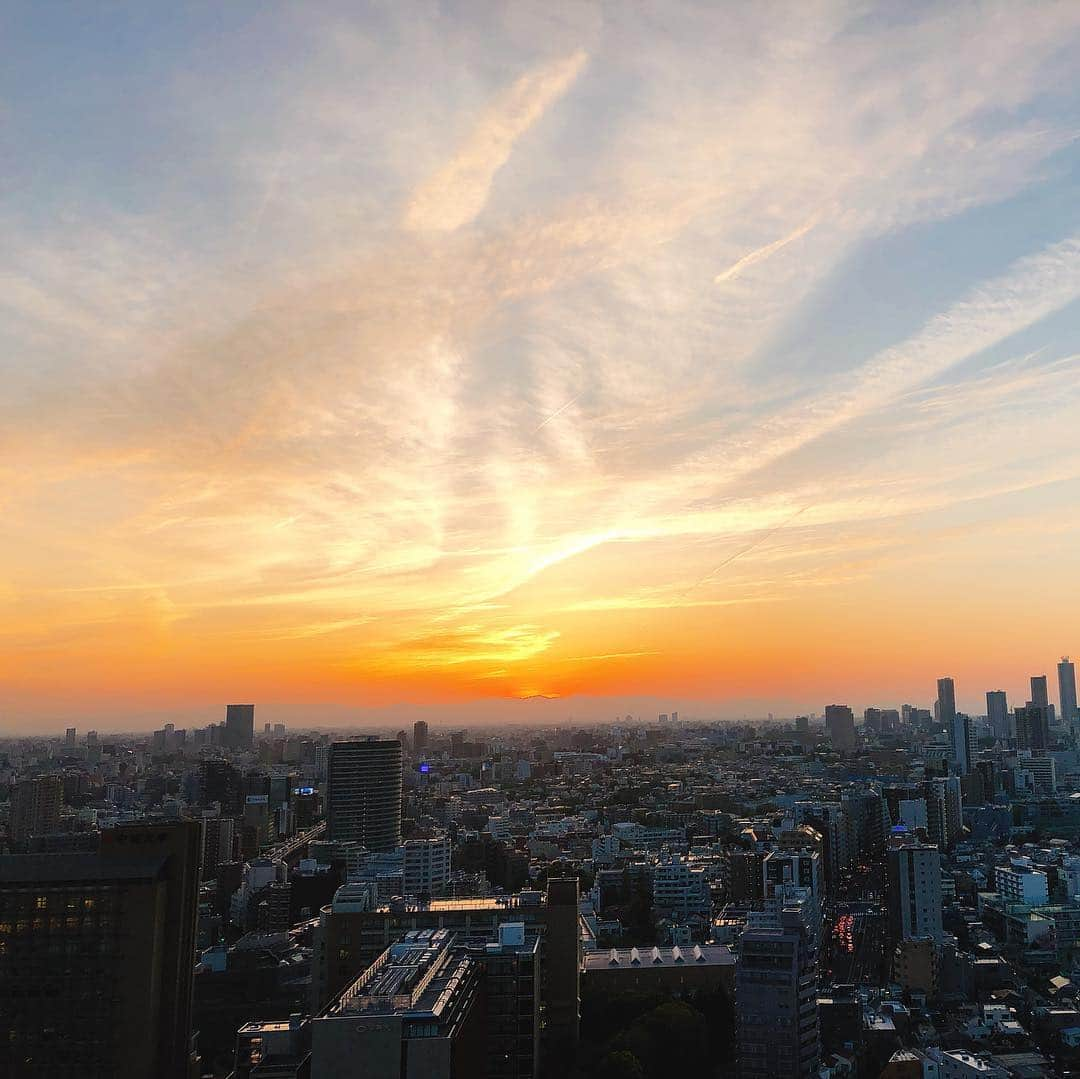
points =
(97, 956)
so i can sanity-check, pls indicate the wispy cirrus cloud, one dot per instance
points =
(468, 345)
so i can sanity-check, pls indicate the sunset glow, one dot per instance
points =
(536, 359)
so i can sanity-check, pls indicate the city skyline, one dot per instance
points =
(478, 363)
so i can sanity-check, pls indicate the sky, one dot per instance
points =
(526, 360)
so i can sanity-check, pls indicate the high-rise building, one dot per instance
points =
(776, 997)
(69, 738)
(419, 737)
(1032, 727)
(1067, 691)
(240, 726)
(35, 808)
(914, 888)
(997, 711)
(363, 803)
(97, 965)
(1040, 695)
(959, 727)
(220, 783)
(840, 726)
(945, 707)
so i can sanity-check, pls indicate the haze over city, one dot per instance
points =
(497, 361)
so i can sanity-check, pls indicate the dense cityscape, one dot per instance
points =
(821, 897)
(537, 539)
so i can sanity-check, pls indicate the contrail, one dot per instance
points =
(764, 252)
(558, 412)
(747, 549)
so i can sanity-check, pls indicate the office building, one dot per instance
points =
(353, 931)
(913, 888)
(434, 1006)
(69, 738)
(364, 786)
(1067, 691)
(1032, 727)
(98, 957)
(419, 737)
(997, 712)
(959, 727)
(840, 727)
(945, 706)
(776, 997)
(218, 843)
(35, 809)
(240, 726)
(1040, 695)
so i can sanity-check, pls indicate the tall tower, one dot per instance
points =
(946, 702)
(997, 711)
(240, 726)
(1067, 691)
(363, 803)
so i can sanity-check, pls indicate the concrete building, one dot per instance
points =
(364, 784)
(997, 712)
(840, 727)
(680, 890)
(945, 705)
(913, 888)
(435, 1006)
(420, 738)
(239, 726)
(776, 998)
(353, 931)
(960, 741)
(35, 808)
(1019, 883)
(425, 866)
(1067, 691)
(98, 958)
(701, 968)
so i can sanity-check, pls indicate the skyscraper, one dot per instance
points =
(419, 737)
(240, 726)
(96, 970)
(1039, 693)
(997, 711)
(946, 702)
(1067, 691)
(364, 793)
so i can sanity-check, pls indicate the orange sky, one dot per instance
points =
(363, 364)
